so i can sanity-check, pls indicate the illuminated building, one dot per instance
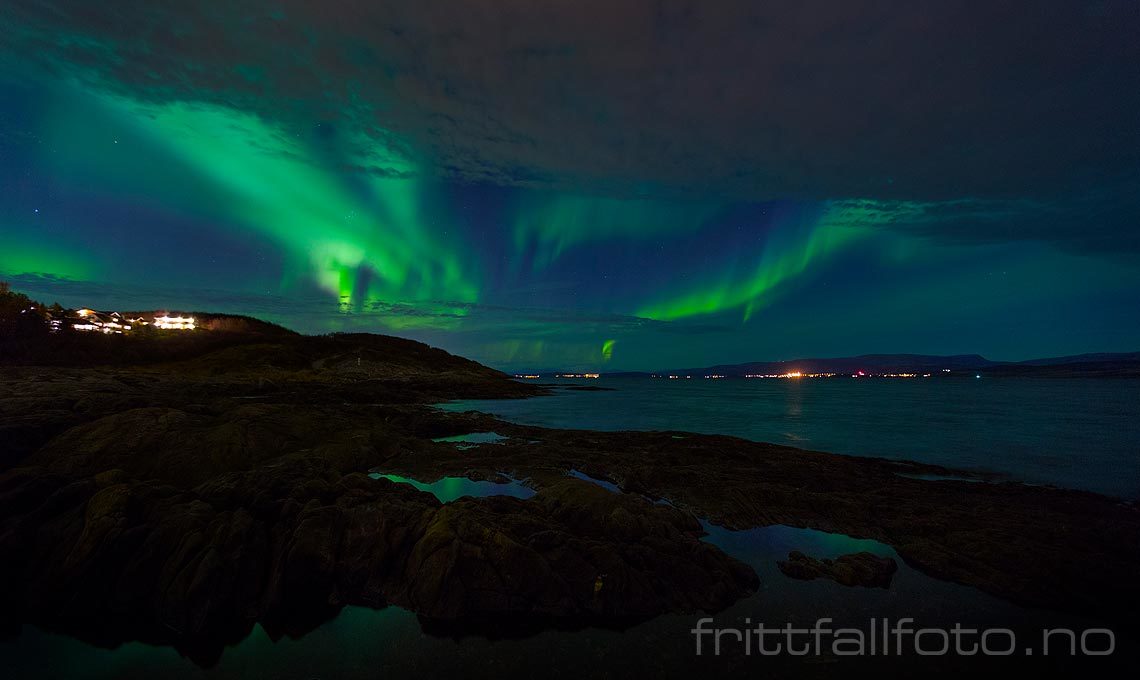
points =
(89, 320)
(177, 323)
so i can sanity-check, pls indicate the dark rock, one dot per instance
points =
(856, 569)
(544, 557)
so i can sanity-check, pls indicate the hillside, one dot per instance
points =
(232, 346)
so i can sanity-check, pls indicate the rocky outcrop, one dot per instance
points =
(194, 558)
(183, 503)
(572, 551)
(857, 569)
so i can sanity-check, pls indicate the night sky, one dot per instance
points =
(587, 185)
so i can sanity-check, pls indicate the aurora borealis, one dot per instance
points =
(584, 186)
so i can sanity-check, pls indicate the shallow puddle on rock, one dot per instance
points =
(448, 489)
(911, 593)
(614, 488)
(771, 543)
(608, 486)
(471, 439)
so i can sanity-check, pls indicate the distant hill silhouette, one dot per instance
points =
(1103, 364)
(870, 363)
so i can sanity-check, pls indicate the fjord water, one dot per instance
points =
(1073, 433)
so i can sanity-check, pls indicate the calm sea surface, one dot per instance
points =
(1082, 434)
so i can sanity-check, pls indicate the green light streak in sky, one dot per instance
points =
(513, 351)
(608, 350)
(392, 251)
(789, 253)
(408, 317)
(364, 240)
(555, 224)
(18, 257)
(565, 349)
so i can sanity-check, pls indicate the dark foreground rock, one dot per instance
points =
(121, 558)
(181, 503)
(856, 569)
(176, 507)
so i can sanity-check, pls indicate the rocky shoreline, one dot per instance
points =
(182, 503)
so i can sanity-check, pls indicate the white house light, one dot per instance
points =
(178, 323)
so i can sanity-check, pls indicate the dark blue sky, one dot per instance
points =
(684, 183)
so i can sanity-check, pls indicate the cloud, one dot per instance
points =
(1024, 106)
(1095, 221)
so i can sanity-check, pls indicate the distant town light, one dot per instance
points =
(114, 322)
(178, 323)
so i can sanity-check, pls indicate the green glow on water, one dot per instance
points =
(448, 489)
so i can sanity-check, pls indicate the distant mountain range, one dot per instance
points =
(1102, 364)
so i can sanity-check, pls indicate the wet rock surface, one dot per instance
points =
(856, 569)
(182, 503)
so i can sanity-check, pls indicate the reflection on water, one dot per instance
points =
(794, 403)
(1075, 433)
(389, 643)
(471, 440)
(447, 489)
(609, 486)
(767, 544)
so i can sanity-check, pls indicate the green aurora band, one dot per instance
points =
(386, 244)
(791, 249)
(368, 242)
(608, 350)
(376, 243)
(19, 256)
(553, 225)
(360, 236)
